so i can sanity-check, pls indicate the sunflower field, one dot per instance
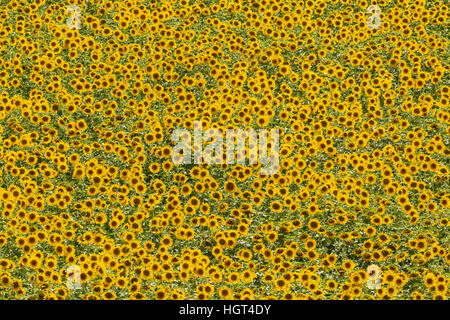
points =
(92, 205)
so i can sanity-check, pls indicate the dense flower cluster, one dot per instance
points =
(86, 175)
